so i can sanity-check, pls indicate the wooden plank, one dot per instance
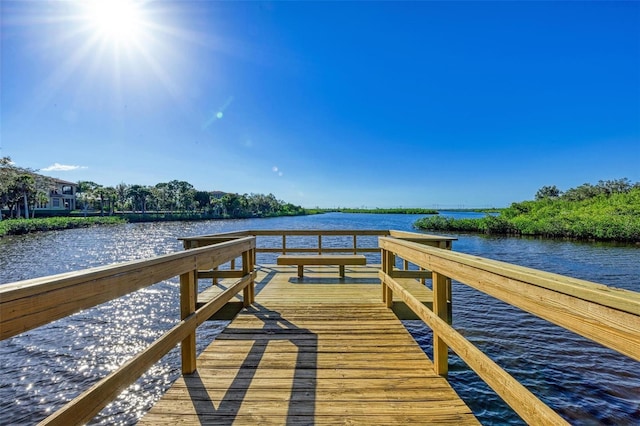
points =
(322, 259)
(440, 349)
(603, 314)
(187, 308)
(312, 363)
(256, 418)
(340, 260)
(220, 274)
(616, 298)
(28, 304)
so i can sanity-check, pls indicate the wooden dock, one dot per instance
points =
(314, 350)
(318, 347)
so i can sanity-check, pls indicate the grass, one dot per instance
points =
(25, 226)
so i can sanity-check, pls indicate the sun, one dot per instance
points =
(119, 21)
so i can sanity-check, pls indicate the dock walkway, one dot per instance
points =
(316, 347)
(314, 350)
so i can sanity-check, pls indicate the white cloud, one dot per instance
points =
(57, 167)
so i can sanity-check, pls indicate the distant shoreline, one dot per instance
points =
(398, 210)
(27, 226)
(580, 215)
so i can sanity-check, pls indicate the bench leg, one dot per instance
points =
(300, 270)
(341, 270)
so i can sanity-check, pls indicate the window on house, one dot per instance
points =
(56, 202)
(67, 190)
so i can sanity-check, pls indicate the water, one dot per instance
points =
(46, 367)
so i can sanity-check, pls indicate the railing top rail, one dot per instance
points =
(21, 288)
(415, 236)
(607, 315)
(324, 232)
(625, 300)
(27, 304)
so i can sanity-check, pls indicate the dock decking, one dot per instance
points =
(320, 348)
(314, 350)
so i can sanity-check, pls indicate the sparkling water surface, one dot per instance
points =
(44, 368)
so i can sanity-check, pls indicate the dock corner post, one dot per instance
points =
(252, 270)
(247, 292)
(188, 307)
(440, 308)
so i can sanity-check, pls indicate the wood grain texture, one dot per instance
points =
(28, 304)
(606, 315)
(318, 350)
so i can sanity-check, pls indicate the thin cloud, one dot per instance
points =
(57, 167)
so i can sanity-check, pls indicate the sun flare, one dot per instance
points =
(119, 21)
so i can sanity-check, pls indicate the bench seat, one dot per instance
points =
(322, 259)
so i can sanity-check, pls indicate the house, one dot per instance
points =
(62, 196)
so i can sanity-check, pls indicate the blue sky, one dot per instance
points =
(377, 104)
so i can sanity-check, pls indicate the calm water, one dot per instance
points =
(44, 368)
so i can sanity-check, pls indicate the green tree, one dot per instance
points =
(551, 192)
(139, 195)
(160, 194)
(86, 194)
(111, 195)
(24, 187)
(121, 195)
(102, 194)
(19, 186)
(202, 199)
(42, 198)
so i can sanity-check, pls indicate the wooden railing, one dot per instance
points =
(603, 314)
(315, 241)
(28, 304)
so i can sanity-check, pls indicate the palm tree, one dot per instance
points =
(42, 199)
(25, 186)
(86, 193)
(139, 194)
(102, 193)
(111, 195)
(121, 191)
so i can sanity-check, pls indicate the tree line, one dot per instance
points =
(21, 189)
(587, 190)
(179, 197)
(607, 211)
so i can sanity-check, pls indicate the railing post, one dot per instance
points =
(247, 268)
(440, 308)
(447, 245)
(252, 267)
(388, 261)
(319, 243)
(188, 284)
(383, 261)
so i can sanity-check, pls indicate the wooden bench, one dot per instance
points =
(322, 259)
